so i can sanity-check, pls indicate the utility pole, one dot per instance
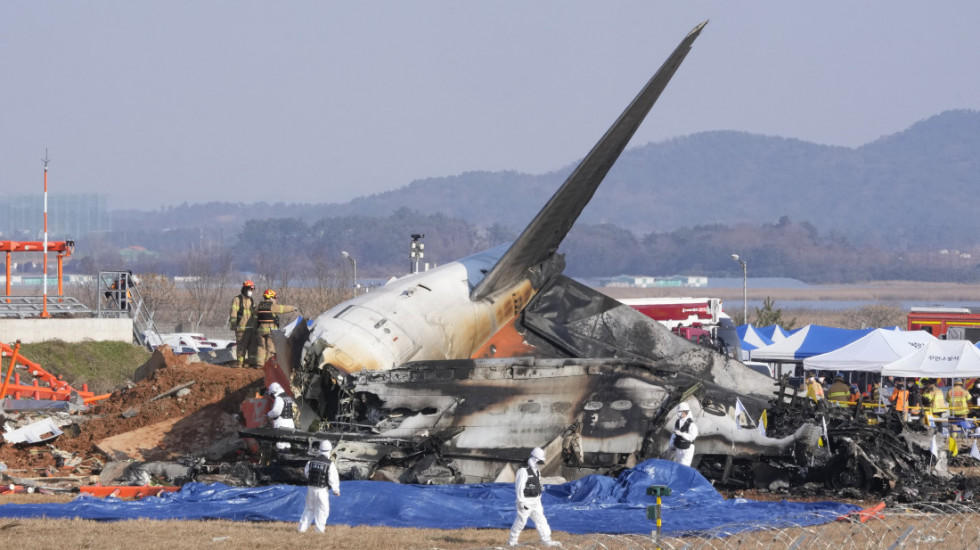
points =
(745, 289)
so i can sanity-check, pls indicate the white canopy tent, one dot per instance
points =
(939, 359)
(871, 352)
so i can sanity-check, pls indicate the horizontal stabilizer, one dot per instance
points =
(545, 233)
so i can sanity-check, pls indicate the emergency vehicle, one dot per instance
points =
(954, 323)
(700, 320)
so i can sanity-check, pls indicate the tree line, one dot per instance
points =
(284, 251)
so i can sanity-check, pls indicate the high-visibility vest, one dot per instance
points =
(839, 392)
(937, 402)
(899, 398)
(959, 401)
(814, 390)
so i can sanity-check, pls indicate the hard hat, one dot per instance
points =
(275, 388)
(325, 446)
(269, 294)
(248, 284)
(854, 387)
(537, 454)
(683, 407)
(957, 382)
(839, 375)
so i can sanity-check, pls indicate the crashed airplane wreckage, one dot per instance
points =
(453, 374)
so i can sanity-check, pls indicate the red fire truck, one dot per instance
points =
(697, 319)
(957, 323)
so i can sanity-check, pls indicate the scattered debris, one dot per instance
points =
(172, 391)
(37, 432)
(143, 491)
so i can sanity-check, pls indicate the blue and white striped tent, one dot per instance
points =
(775, 333)
(751, 339)
(808, 341)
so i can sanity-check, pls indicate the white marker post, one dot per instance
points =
(44, 307)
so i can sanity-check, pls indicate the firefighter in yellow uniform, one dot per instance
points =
(839, 391)
(937, 402)
(813, 388)
(238, 321)
(266, 319)
(959, 400)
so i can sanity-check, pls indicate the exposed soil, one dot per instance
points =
(216, 389)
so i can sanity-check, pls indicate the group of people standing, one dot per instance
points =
(253, 325)
(918, 396)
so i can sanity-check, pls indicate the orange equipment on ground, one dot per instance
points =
(55, 390)
(126, 491)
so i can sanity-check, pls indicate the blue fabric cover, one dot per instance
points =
(594, 504)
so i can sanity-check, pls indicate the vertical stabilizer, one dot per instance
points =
(545, 233)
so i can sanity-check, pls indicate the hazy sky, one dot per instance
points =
(322, 101)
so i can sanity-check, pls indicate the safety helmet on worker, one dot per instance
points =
(957, 382)
(537, 453)
(269, 294)
(248, 284)
(275, 388)
(854, 387)
(325, 446)
(683, 407)
(839, 376)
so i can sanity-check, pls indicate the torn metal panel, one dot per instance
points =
(37, 432)
(21, 405)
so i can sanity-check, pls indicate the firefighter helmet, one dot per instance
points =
(325, 446)
(249, 284)
(269, 294)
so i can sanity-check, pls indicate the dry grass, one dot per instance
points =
(960, 532)
(951, 528)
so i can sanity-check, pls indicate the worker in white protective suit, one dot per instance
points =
(685, 432)
(281, 413)
(528, 488)
(322, 475)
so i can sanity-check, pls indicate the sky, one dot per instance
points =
(160, 103)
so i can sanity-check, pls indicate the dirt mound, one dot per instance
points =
(217, 388)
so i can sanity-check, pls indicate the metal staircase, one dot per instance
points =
(119, 296)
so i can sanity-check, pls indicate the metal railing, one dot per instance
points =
(24, 307)
(118, 295)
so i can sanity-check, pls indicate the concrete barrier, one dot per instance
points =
(30, 331)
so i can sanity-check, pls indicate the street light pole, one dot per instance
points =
(353, 264)
(745, 289)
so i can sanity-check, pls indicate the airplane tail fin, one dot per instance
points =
(542, 236)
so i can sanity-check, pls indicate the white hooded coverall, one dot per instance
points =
(528, 507)
(684, 456)
(275, 414)
(317, 498)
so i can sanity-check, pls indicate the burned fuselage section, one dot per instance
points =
(486, 413)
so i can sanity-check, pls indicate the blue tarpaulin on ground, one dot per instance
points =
(593, 504)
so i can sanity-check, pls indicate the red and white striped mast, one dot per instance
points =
(44, 308)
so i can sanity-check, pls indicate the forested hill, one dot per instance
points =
(910, 190)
